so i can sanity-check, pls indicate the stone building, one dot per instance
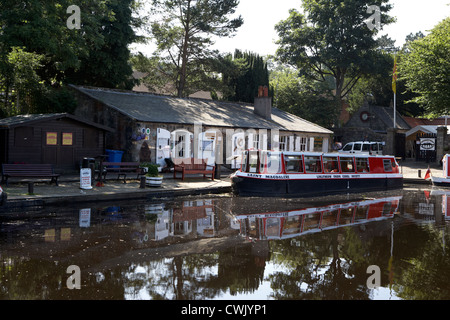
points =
(151, 127)
(370, 123)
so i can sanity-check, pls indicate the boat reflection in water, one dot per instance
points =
(289, 224)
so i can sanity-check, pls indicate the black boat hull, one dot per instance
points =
(248, 186)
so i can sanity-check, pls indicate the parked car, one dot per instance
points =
(368, 147)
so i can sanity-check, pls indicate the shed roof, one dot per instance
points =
(148, 107)
(425, 129)
(27, 119)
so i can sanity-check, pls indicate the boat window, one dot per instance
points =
(313, 164)
(366, 147)
(387, 165)
(273, 162)
(362, 165)
(293, 164)
(262, 161)
(244, 161)
(252, 162)
(347, 164)
(330, 164)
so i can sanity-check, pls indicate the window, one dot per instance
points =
(362, 165)
(330, 164)
(347, 164)
(387, 165)
(67, 138)
(51, 138)
(293, 164)
(244, 161)
(283, 143)
(374, 147)
(348, 147)
(273, 162)
(303, 143)
(313, 164)
(253, 162)
(256, 141)
(357, 147)
(366, 147)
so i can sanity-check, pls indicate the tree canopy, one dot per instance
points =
(425, 68)
(184, 31)
(39, 53)
(332, 39)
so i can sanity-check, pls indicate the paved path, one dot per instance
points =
(69, 187)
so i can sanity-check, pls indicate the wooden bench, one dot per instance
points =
(193, 166)
(28, 171)
(122, 168)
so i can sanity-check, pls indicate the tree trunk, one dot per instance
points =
(340, 78)
(184, 54)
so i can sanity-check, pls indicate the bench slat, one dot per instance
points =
(28, 171)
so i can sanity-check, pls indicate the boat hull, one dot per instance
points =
(250, 186)
(440, 182)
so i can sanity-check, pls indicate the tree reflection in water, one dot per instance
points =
(206, 250)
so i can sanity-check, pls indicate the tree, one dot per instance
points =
(95, 54)
(243, 74)
(184, 32)
(426, 69)
(331, 38)
(306, 98)
(107, 64)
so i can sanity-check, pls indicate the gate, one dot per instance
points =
(400, 143)
(426, 147)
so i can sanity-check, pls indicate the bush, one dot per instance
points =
(152, 169)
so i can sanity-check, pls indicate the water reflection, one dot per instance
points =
(226, 248)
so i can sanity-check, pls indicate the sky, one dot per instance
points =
(258, 35)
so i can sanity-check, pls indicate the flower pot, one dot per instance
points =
(153, 181)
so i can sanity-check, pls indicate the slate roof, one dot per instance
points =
(26, 119)
(148, 107)
(386, 115)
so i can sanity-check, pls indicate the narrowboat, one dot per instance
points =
(445, 180)
(301, 174)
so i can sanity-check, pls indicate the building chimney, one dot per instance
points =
(263, 103)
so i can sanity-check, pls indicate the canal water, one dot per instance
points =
(379, 245)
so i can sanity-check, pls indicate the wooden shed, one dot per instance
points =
(60, 139)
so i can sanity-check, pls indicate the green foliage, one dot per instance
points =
(425, 68)
(152, 169)
(331, 39)
(184, 31)
(308, 99)
(108, 64)
(245, 73)
(39, 53)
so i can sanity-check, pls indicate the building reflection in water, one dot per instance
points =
(207, 247)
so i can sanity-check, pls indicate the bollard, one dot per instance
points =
(142, 186)
(30, 187)
(420, 173)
